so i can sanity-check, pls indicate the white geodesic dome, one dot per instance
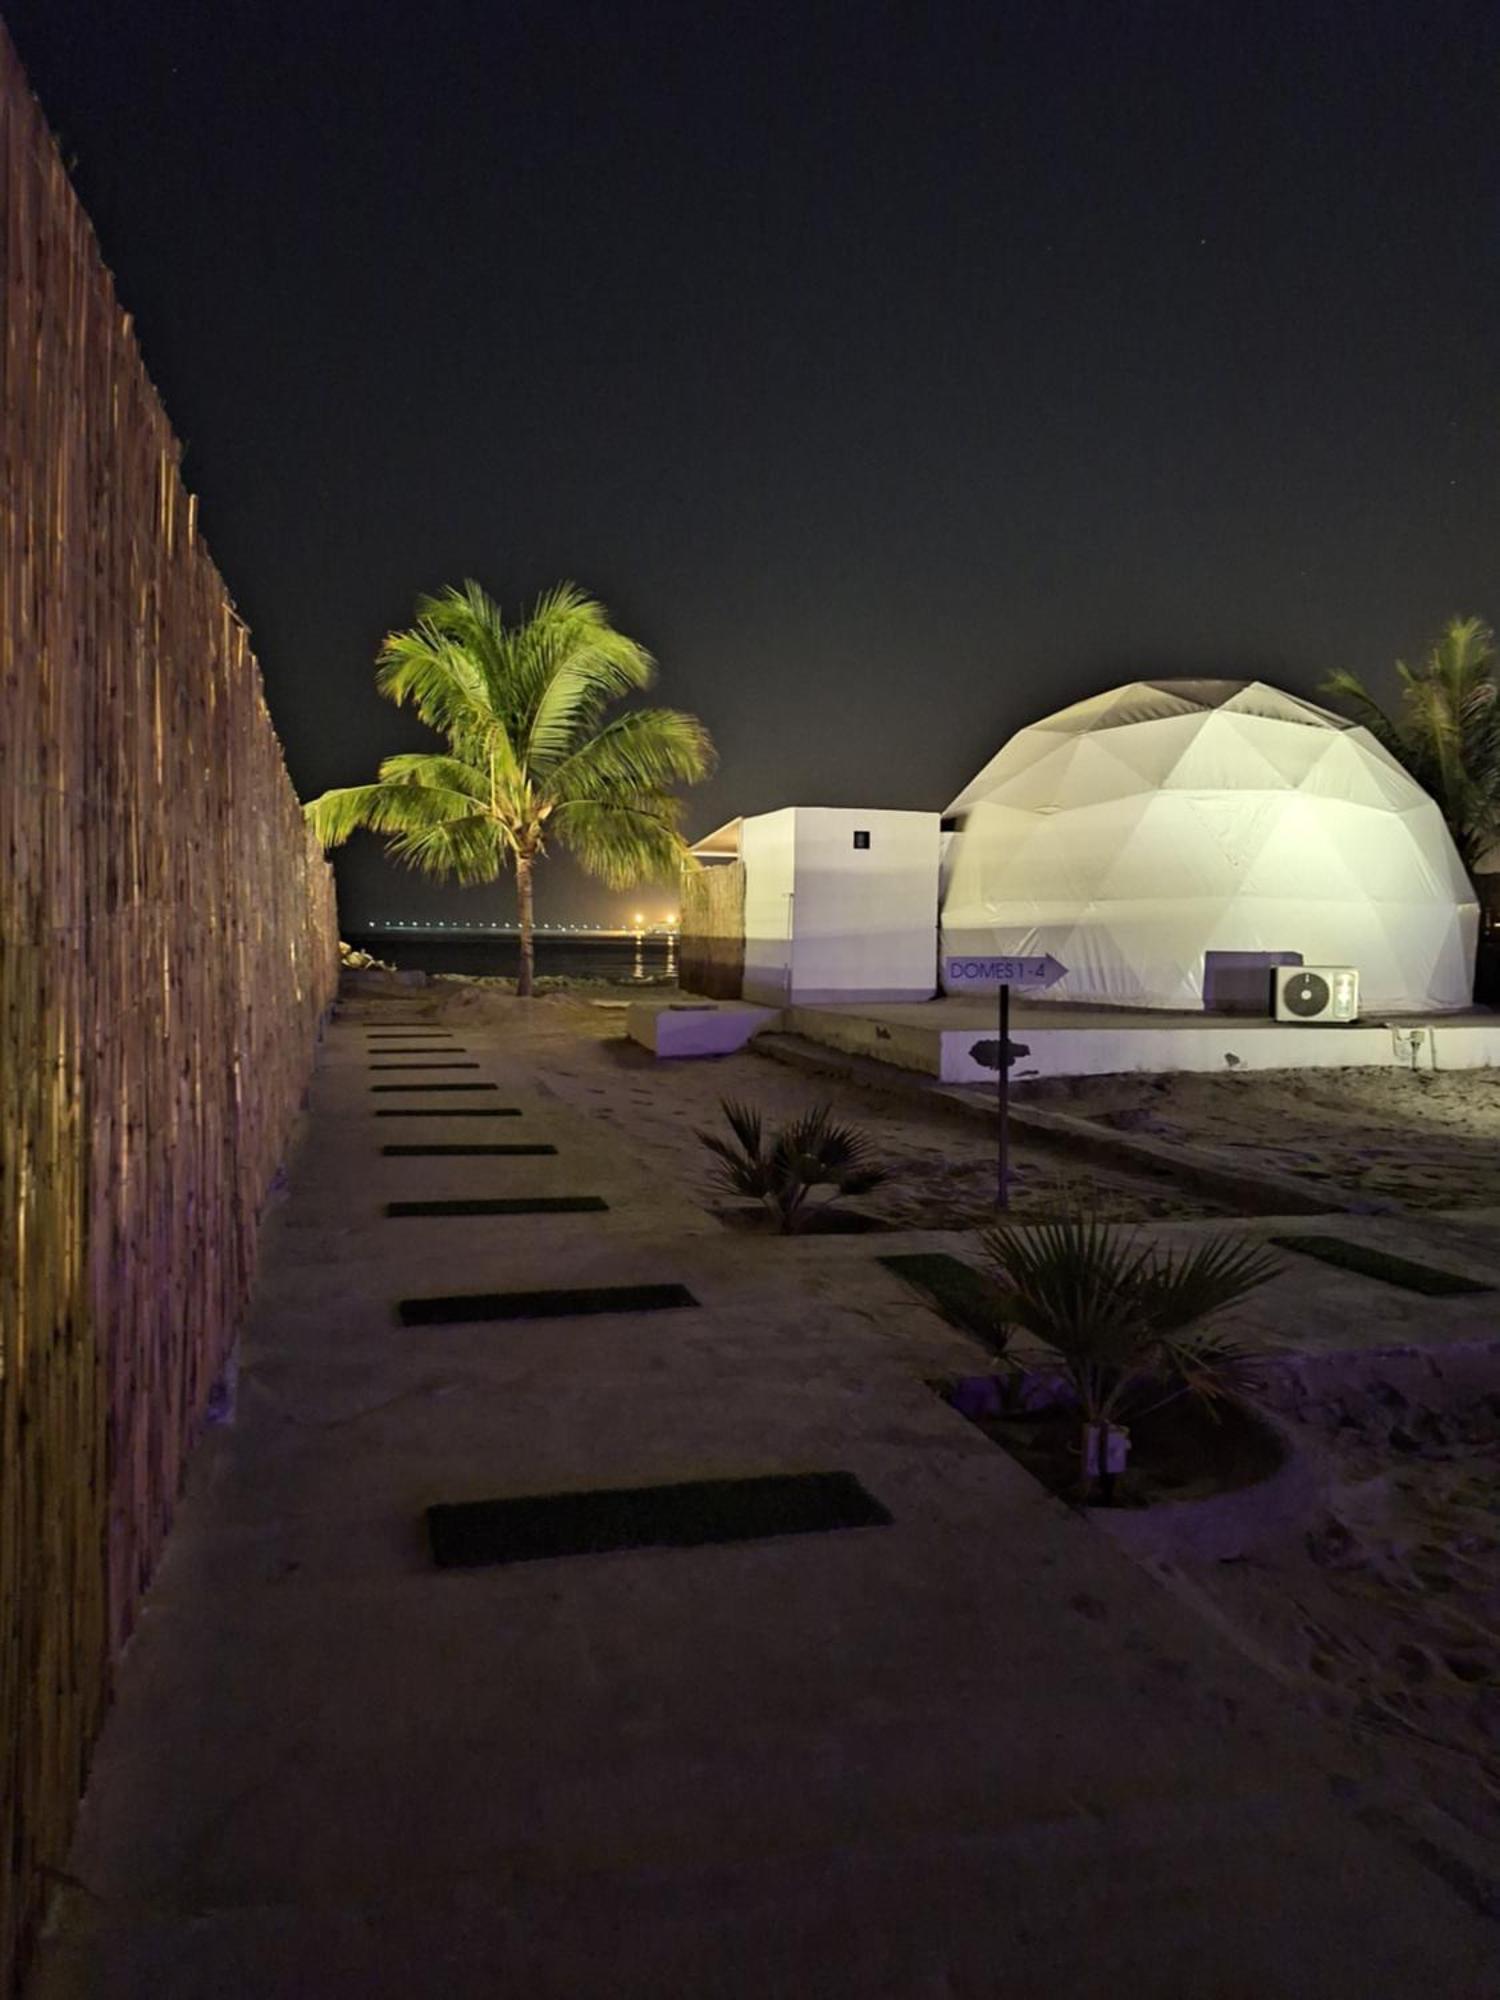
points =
(1132, 834)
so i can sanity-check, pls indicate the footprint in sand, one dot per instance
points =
(1414, 1664)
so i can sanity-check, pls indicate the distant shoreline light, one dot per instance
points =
(428, 925)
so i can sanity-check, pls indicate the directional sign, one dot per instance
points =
(998, 975)
(983, 975)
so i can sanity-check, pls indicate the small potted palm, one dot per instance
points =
(786, 1170)
(1128, 1323)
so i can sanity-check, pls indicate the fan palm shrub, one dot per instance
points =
(783, 1170)
(532, 760)
(1127, 1319)
(1445, 730)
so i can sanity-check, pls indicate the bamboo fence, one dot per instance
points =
(168, 946)
(712, 948)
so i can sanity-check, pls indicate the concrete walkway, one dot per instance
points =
(974, 1753)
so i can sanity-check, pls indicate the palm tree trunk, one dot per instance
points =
(526, 979)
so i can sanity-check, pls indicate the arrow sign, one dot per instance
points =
(983, 975)
(998, 975)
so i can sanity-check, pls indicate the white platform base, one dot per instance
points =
(695, 1027)
(1099, 1047)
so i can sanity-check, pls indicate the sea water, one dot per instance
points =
(625, 960)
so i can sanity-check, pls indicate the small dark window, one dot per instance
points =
(861, 838)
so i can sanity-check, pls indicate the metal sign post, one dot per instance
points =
(1002, 1087)
(978, 975)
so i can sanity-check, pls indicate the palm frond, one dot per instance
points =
(1446, 730)
(745, 1123)
(1209, 1364)
(428, 826)
(731, 1179)
(468, 618)
(465, 849)
(1176, 1290)
(405, 808)
(735, 1173)
(333, 816)
(1072, 1281)
(581, 665)
(437, 676)
(435, 771)
(623, 843)
(743, 1166)
(1349, 689)
(643, 751)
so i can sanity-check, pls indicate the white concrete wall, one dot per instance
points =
(903, 1045)
(1100, 1050)
(767, 847)
(1462, 1046)
(865, 920)
(826, 920)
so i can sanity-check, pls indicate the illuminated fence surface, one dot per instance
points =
(167, 946)
(713, 931)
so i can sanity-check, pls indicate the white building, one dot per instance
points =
(839, 903)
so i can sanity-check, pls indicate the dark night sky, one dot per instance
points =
(895, 372)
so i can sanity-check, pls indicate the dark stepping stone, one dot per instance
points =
(1371, 1263)
(453, 1111)
(690, 1514)
(425, 1049)
(539, 1204)
(467, 1152)
(459, 1307)
(424, 1068)
(966, 1298)
(436, 1086)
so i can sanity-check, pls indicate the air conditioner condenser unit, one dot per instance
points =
(1317, 993)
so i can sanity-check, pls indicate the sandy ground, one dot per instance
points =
(1427, 1140)
(1366, 1577)
(979, 1753)
(941, 1169)
(1375, 1595)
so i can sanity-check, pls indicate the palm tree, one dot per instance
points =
(1446, 729)
(531, 761)
(809, 1152)
(1126, 1318)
